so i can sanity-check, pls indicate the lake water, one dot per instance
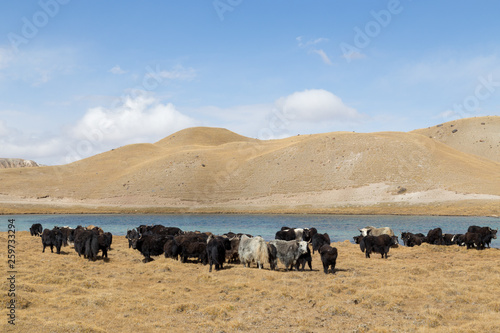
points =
(339, 227)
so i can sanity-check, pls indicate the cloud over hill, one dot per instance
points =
(315, 106)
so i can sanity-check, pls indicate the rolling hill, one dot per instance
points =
(427, 171)
(478, 136)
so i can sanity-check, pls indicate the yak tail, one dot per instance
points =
(328, 238)
(262, 253)
(362, 245)
(210, 237)
(92, 247)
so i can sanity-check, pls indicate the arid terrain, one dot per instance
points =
(449, 169)
(421, 289)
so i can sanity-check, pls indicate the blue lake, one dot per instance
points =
(339, 227)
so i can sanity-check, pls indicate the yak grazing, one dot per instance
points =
(379, 244)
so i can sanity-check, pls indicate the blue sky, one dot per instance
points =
(81, 77)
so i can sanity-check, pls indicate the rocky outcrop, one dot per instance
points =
(16, 163)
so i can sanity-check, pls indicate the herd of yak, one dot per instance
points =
(475, 237)
(380, 240)
(87, 241)
(290, 246)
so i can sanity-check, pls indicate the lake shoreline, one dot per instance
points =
(339, 227)
(29, 206)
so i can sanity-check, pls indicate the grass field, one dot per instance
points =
(421, 289)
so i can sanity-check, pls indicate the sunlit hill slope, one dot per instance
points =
(435, 170)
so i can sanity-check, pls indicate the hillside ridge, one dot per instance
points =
(479, 136)
(202, 136)
(206, 169)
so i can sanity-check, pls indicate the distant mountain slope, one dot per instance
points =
(16, 163)
(214, 167)
(479, 136)
(203, 136)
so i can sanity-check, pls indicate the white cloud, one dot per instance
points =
(310, 46)
(141, 117)
(310, 42)
(306, 112)
(316, 105)
(323, 56)
(117, 70)
(176, 73)
(41, 149)
(136, 119)
(354, 55)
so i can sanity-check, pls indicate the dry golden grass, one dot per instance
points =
(421, 289)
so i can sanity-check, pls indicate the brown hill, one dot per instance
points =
(216, 170)
(202, 136)
(478, 136)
